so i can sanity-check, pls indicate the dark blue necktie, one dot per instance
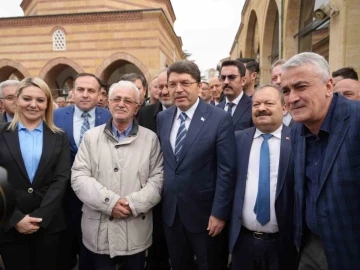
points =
(180, 136)
(262, 204)
(229, 108)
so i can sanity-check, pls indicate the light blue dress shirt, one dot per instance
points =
(78, 122)
(31, 145)
(121, 135)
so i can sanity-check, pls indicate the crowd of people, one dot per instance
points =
(109, 179)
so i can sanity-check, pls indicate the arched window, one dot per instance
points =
(59, 40)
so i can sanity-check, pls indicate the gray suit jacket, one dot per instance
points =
(3, 118)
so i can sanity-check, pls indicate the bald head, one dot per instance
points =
(349, 88)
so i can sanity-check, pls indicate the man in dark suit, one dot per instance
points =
(7, 99)
(158, 255)
(236, 103)
(198, 141)
(261, 226)
(325, 143)
(74, 120)
(147, 114)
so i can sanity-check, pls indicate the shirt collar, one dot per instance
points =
(78, 113)
(125, 132)
(236, 100)
(8, 117)
(326, 125)
(276, 133)
(190, 112)
(40, 127)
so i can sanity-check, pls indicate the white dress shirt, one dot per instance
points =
(287, 119)
(235, 101)
(176, 124)
(248, 216)
(78, 122)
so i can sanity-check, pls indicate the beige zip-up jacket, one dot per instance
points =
(106, 170)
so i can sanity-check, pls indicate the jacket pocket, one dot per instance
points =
(140, 231)
(143, 174)
(90, 223)
(206, 195)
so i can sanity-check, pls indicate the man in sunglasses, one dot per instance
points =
(236, 103)
(7, 99)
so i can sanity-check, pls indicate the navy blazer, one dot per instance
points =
(242, 118)
(284, 198)
(64, 119)
(338, 198)
(201, 183)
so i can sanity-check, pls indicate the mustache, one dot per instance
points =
(262, 113)
(227, 86)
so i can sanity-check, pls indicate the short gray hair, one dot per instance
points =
(321, 66)
(279, 62)
(6, 84)
(281, 95)
(127, 85)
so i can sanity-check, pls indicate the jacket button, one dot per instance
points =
(107, 200)
(111, 218)
(176, 173)
(117, 146)
(143, 217)
(30, 190)
(116, 169)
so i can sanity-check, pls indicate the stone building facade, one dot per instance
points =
(55, 40)
(328, 27)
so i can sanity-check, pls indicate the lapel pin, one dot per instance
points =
(287, 138)
(202, 119)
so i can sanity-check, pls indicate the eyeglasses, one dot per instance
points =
(231, 77)
(184, 84)
(126, 101)
(162, 86)
(9, 98)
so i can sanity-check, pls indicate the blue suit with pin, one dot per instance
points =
(199, 182)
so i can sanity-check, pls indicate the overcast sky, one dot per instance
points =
(207, 27)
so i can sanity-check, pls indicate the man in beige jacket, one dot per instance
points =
(118, 175)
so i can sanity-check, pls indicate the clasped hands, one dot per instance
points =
(28, 225)
(121, 209)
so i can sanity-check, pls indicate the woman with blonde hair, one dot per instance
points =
(36, 155)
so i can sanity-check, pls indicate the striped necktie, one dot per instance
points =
(85, 126)
(180, 136)
(262, 204)
(229, 108)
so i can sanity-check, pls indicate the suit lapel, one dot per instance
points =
(49, 140)
(336, 138)
(98, 114)
(69, 122)
(244, 156)
(169, 119)
(199, 119)
(241, 108)
(221, 105)
(13, 144)
(285, 150)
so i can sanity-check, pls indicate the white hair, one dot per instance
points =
(126, 85)
(321, 66)
(60, 99)
(6, 84)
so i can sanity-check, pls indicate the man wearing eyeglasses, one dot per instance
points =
(118, 175)
(236, 103)
(7, 99)
(197, 141)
